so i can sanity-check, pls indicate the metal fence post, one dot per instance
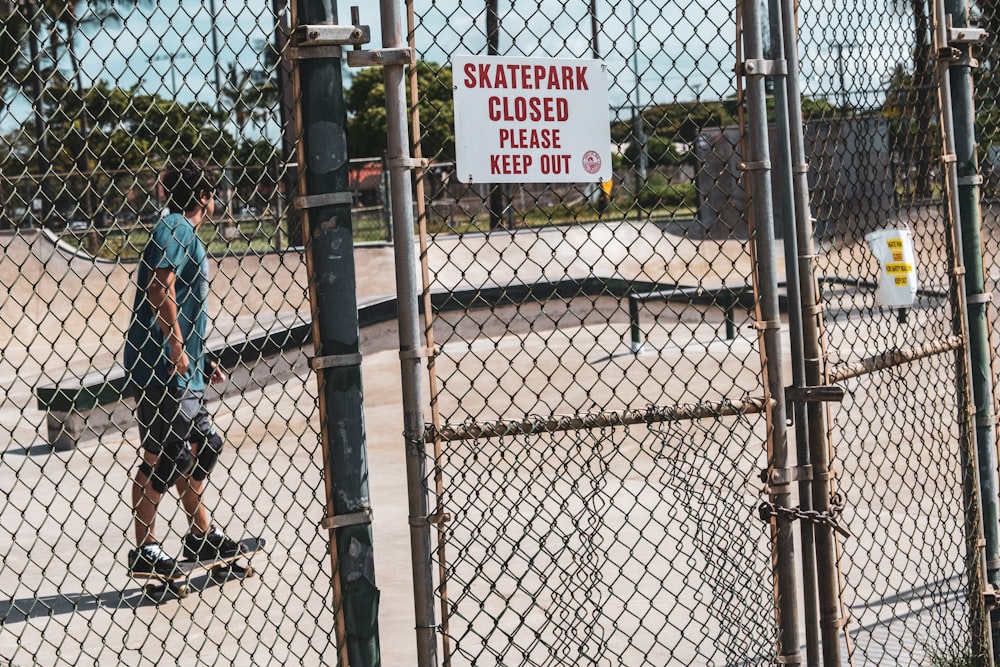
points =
(411, 352)
(323, 162)
(962, 174)
(788, 119)
(756, 168)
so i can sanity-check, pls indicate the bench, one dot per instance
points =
(727, 298)
(70, 403)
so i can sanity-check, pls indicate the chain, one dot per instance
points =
(830, 519)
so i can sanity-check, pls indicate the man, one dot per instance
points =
(165, 361)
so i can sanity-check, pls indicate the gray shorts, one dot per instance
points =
(170, 418)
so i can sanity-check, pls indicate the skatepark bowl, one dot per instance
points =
(603, 498)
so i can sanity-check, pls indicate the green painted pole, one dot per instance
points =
(323, 162)
(977, 298)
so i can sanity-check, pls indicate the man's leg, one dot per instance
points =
(145, 501)
(190, 491)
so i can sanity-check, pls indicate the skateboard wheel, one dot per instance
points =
(248, 572)
(181, 590)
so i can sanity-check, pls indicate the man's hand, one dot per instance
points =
(179, 358)
(218, 375)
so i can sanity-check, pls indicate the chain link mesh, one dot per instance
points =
(599, 412)
(674, 231)
(898, 435)
(97, 96)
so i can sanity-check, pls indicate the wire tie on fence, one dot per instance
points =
(419, 353)
(408, 162)
(430, 519)
(949, 158)
(790, 659)
(327, 199)
(816, 309)
(335, 361)
(975, 179)
(344, 520)
(760, 165)
(763, 325)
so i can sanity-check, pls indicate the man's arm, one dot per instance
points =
(162, 295)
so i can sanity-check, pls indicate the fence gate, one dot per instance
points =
(598, 400)
(598, 411)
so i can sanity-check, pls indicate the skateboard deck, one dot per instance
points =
(220, 569)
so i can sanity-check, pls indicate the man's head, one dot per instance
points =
(189, 185)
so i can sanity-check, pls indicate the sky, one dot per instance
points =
(684, 47)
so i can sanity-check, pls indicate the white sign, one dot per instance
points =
(531, 120)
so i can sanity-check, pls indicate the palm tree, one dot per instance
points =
(65, 23)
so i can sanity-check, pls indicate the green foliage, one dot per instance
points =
(128, 133)
(366, 123)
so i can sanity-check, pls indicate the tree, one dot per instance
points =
(366, 123)
(131, 133)
(252, 93)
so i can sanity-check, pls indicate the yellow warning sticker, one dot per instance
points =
(902, 281)
(898, 267)
(897, 256)
(894, 243)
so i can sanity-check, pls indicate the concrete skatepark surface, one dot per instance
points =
(70, 581)
(65, 311)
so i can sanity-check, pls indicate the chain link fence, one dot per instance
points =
(605, 417)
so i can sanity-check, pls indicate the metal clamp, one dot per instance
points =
(344, 520)
(821, 394)
(419, 353)
(976, 299)
(331, 35)
(975, 179)
(335, 361)
(780, 477)
(966, 35)
(761, 67)
(307, 52)
(381, 57)
(328, 199)
(760, 165)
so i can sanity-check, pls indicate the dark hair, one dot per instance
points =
(184, 181)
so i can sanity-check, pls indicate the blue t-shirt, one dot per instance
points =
(173, 245)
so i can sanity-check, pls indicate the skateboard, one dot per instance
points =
(159, 586)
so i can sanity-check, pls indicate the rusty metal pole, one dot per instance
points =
(757, 168)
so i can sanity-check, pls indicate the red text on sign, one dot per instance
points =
(525, 138)
(510, 164)
(534, 109)
(538, 77)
